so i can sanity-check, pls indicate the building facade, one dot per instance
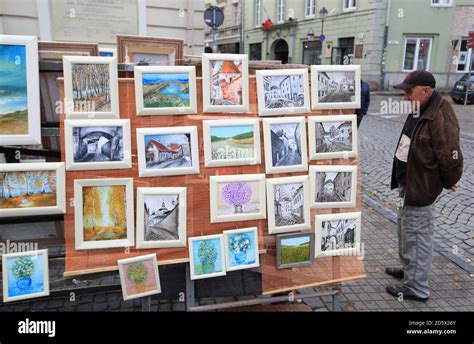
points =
(229, 34)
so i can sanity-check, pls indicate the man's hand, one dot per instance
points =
(454, 188)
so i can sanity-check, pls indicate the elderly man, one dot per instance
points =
(428, 158)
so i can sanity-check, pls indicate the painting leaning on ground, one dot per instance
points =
(232, 142)
(165, 90)
(27, 189)
(104, 213)
(91, 87)
(13, 90)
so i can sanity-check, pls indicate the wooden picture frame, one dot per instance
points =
(54, 51)
(128, 45)
(217, 251)
(280, 240)
(138, 275)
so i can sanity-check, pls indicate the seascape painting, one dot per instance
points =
(165, 90)
(91, 87)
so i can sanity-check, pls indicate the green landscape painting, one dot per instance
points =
(295, 250)
(232, 142)
(165, 90)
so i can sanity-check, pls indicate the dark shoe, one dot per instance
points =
(405, 292)
(395, 272)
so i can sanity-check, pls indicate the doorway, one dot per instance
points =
(280, 51)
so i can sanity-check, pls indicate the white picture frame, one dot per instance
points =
(57, 167)
(193, 262)
(208, 126)
(263, 84)
(70, 148)
(42, 256)
(315, 142)
(181, 209)
(182, 152)
(332, 192)
(151, 258)
(244, 264)
(303, 210)
(281, 150)
(33, 134)
(206, 83)
(345, 251)
(90, 113)
(253, 200)
(140, 71)
(316, 104)
(82, 244)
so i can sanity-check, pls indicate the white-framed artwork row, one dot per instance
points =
(285, 144)
(113, 225)
(25, 275)
(165, 90)
(231, 142)
(333, 186)
(28, 189)
(169, 151)
(161, 217)
(206, 256)
(139, 276)
(90, 87)
(241, 248)
(282, 92)
(337, 234)
(332, 137)
(225, 84)
(20, 119)
(237, 197)
(97, 144)
(288, 204)
(335, 87)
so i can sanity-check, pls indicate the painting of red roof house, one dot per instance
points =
(226, 82)
(168, 151)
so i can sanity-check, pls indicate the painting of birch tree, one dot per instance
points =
(91, 87)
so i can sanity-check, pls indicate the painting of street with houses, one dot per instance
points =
(289, 204)
(333, 136)
(338, 234)
(286, 144)
(336, 87)
(283, 91)
(226, 82)
(168, 151)
(161, 217)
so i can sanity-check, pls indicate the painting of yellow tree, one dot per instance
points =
(104, 213)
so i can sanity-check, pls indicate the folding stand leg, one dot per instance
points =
(190, 301)
(146, 304)
(336, 300)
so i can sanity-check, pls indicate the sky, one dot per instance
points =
(288, 128)
(155, 202)
(295, 241)
(327, 125)
(167, 139)
(160, 77)
(230, 131)
(339, 76)
(12, 74)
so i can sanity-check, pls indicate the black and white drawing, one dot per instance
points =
(161, 217)
(339, 234)
(333, 136)
(289, 204)
(98, 144)
(333, 186)
(286, 144)
(283, 91)
(336, 87)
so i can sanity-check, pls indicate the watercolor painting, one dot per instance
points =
(289, 204)
(161, 217)
(226, 82)
(168, 151)
(241, 247)
(336, 87)
(232, 142)
(165, 90)
(338, 234)
(294, 250)
(91, 87)
(28, 189)
(283, 91)
(104, 213)
(98, 144)
(140, 277)
(240, 197)
(286, 144)
(13, 90)
(25, 275)
(207, 256)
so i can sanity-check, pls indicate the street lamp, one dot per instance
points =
(322, 14)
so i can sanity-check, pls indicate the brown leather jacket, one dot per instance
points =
(435, 160)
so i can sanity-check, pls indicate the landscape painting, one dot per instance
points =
(168, 151)
(165, 90)
(238, 198)
(161, 217)
(104, 213)
(13, 90)
(206, 256)
(98, 144)
(232, 142)
(25, 275)
(140, 278)
(91, 86)
(226, 82)
(336, 87)
(294, 250)
(28, 189)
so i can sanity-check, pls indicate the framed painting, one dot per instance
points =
(288, 204)
(337, 234)
(206, 256)
(285, 145)
(294, 250)
(282, 92)
(139, 276)
(165, 90)
(333, 186)
(25, 275)
(97, 144)
(335, 87)
(332, 137)
(167, 151)
(231, 142)
(20, 118)
(241, 249)
(237, 197)
(225, 83)
(108, 52)
(161, 217)
(103, 213)
(54, 51)
(90, 87)
(32, 189)
(154, 51)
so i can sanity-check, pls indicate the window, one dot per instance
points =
(310, 8)
(441, 3)
(348, 5)
(463, 57)
(258, 12)
(417, 53)
(280, 11)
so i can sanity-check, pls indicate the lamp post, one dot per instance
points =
(322, 14)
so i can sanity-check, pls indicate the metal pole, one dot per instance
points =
(214, 40)
(385, 43)
(469, 76)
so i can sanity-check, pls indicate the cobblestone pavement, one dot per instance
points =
(455, 220)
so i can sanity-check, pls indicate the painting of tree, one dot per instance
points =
(91, 87)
